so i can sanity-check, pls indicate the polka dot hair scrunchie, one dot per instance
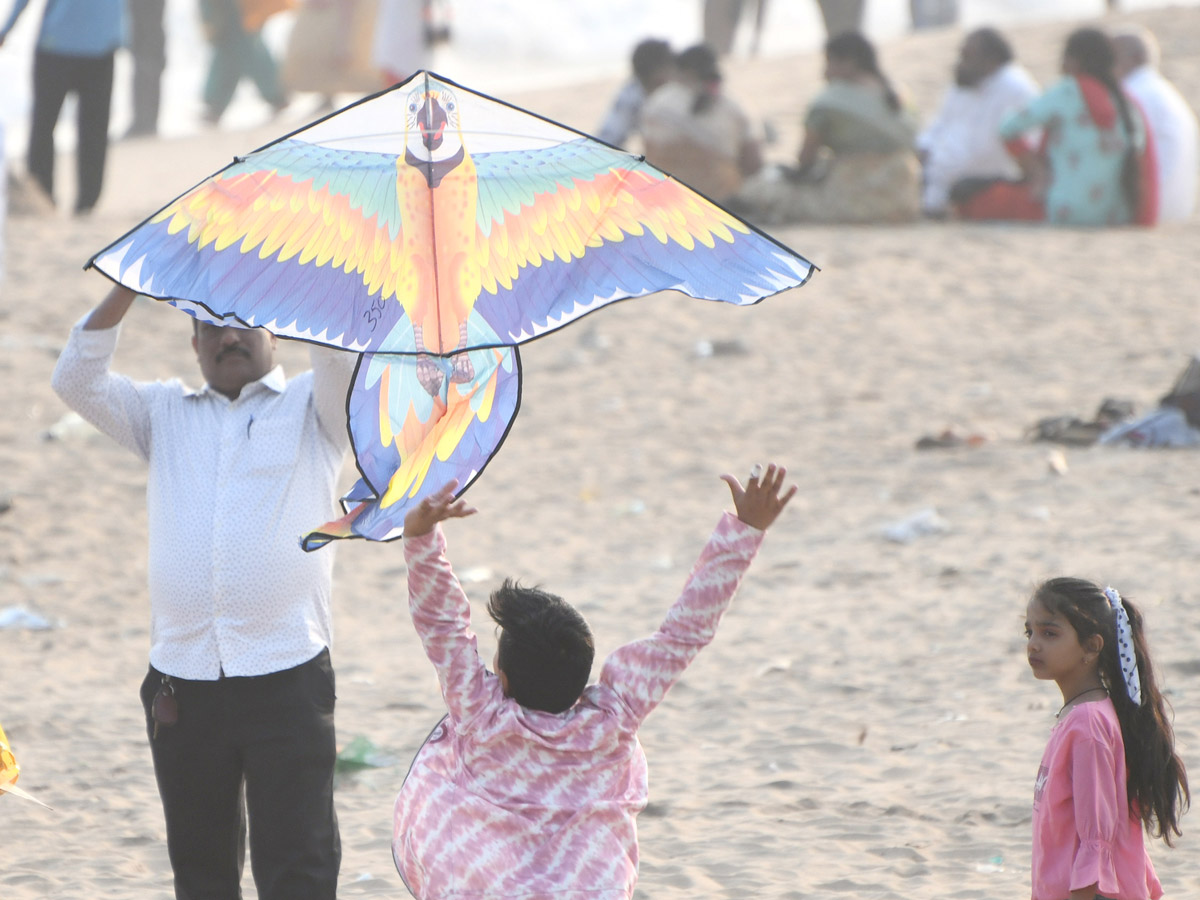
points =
(1133, 683)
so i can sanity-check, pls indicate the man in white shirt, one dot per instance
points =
(963, 140)
(1172, 122)
(239, 697)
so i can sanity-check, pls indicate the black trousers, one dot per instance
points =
(257, 749)
(90, 79)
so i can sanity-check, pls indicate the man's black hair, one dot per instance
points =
(994, 44)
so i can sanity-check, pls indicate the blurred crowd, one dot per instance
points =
(1111, 142)
(334, 46)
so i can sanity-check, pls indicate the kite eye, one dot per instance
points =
(451, 106)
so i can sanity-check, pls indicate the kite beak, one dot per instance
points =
(432, 123)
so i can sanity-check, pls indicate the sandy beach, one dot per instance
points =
(865, 724)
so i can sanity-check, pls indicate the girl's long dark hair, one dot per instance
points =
(853, 46)
(1093, 50)
(1156, 781)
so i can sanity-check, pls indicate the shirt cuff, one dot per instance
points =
(94, 343)
(731, 524)
(1094, 865)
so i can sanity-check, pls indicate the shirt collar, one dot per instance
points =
(274, 380)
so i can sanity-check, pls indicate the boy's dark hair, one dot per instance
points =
(546, 647)
(1156, 781)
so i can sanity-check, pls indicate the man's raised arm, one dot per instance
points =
(111, 309)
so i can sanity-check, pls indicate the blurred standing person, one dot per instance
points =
(234, 29)
(406, 31)
(329, 49)
(148, 45)
(76, 44)
(720, 24)
(841, 16)
(653, 64)
(1096, 165)
(696, 132)
(857, 162)
(1172, 122)
(932, 13)
(963, 139)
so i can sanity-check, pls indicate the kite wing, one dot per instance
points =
(573, 227)
(302, 239)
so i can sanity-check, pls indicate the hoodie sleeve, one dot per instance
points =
(642, 672)
(441, 615)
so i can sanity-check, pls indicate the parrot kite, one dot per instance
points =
(432, 229)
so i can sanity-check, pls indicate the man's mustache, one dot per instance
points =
(236, 348)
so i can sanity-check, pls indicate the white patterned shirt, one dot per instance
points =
(232, 485)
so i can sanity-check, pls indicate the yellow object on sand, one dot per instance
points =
(9, 771)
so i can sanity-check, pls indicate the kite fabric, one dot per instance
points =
(9, 772)
(431, 229)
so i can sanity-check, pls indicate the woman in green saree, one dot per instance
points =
(857, 162)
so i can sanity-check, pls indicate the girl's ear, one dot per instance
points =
(1094, 644)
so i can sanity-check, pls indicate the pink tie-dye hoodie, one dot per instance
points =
(504, 802)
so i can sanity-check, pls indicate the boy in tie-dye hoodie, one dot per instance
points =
(530, 786)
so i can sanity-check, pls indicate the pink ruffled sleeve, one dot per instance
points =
(1099, 814)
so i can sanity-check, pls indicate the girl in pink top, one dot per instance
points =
(530, 786)
(1110, 767)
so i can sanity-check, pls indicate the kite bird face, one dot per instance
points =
(431, 123)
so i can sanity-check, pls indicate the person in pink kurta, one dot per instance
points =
(509, 801)
(1080, 801)
(1110, 767)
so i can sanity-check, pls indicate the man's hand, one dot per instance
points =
(436, 508)
(759, 503)
(111, 310)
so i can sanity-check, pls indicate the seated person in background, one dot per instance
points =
(1172, 122)
(963, 140)
(857, 162)
(1176, 422)
(653, 64)
(696, 132)
(1095, 165)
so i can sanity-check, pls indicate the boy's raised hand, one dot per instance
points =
(437, 507)
(760, 502)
